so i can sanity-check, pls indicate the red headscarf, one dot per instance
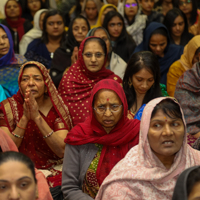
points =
(77, 84)
(117, 143)
(19, 24)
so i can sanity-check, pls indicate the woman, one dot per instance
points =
(150, 169)
(67, 53)
(134, 21)
(35, 32)
(116, 3)
(122, 43)
(78, 82)
(176, 23)
(7, 144)
(189, 8)
(114, 62)
(187, 93)
(90, 10)
(163, 6)
(42, 49)
(189, 57)
(31, 7)
(141, 82)
(10, 63)
(37, 116)
(94, 147)
(187, 185)
(17, 25)
(103, 11)
(157, 40)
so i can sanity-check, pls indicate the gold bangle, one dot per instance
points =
(46, 136)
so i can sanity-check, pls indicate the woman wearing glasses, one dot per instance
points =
(78, 82)
(94, 147)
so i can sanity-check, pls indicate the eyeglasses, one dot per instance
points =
(103, 109)
(97, 55)
(32, 1)
(128, 5)
(181, 3)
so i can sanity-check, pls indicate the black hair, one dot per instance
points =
(27, 10)
(50, 13)
(142, 60)
(197, 51)
(1, 149)
(193, 178)
(160, 31)
(17, 156)
(133, 20)
(100, 41)
(193, 12)
(169, 107)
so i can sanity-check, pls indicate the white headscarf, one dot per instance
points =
(34, 33)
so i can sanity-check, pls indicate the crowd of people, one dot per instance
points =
(99, 99)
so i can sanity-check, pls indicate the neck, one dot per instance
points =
(14, 18)
(33, 13)
(146, 12)
(54, 40)
(177, 40)
(92, 22)
(130, 18)
(166, 161)
(188, 18)
(139, 99)
(41, 101)
(108, 129)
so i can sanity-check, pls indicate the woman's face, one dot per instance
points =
(102, 34)
(17, 182)
(142, 81)
(91, 10)
(41, 20)
(165, 135)
(185, 6)
(157, 44)
(12, 9)
(115, 26)
(178, 26)
(93, 56)
(195, 193)
(4, 43)
(34, 5)
(32, 79)
(147, 5)
(105, 12)
(55, 26)
(79, 29)
(130, 8)
(104, 103)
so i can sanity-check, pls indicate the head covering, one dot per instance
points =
(34, 33)
(101, 13)
(187, 93)
(77, 84)
(19, 24)
(141, 174)
(180, 190)
(9, 58)
(171, 54)
(189, 52)
(124, 134)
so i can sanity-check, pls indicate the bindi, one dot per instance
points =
(107, 99)
(165, 119)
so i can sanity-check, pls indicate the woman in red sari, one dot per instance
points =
(78, 82)
(37, 120)
(95, 146)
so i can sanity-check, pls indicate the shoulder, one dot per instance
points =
(20, 59)
(35, 43)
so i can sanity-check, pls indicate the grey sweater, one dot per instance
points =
(77, 159)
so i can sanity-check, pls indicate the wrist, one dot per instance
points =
(24, 120)
(38, 119)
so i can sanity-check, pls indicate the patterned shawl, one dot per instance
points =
(141, 175)
(77, 84)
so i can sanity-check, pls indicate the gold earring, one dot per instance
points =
(130, 84)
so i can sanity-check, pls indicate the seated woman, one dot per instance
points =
(187, 94)
(150, 169)
(189, 8)
(188, 59)
(37, 116)
(67, 53)
(141, 81)
(35, 32)
(114, 62)
(103, 11)
(17, 25)
(134, 21)
(7, 144)
(116, 3)
(94, 147)
(42, 49)
(157, 40)
(176, 23)
(122, 43)
(163, 6)
(77, 83)
(90, 10)
(10, 63)
(188, 184)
